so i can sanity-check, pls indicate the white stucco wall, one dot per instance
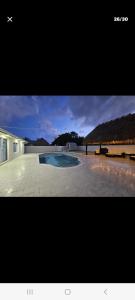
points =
(42, 149)
(10, 140)
(20, 151)
(111, 148)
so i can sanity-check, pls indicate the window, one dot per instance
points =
(15, 147)
(3, 149)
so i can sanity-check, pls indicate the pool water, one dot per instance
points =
(58, 160)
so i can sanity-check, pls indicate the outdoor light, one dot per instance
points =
(3, 136)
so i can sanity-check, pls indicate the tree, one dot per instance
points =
(68, 137)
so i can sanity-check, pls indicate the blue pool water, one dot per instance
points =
(58, 160)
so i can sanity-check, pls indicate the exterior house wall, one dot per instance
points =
(11, 154)
(10, 140)
(0, 149)
(10, 149)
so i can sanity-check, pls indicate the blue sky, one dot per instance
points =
(49, 116)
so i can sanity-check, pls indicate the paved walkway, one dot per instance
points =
(95, 176)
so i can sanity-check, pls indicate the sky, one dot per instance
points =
(49, 116)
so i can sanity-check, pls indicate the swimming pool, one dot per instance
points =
(58, 160)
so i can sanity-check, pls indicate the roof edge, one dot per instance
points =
(11, 134)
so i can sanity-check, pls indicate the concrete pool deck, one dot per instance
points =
(95, 176)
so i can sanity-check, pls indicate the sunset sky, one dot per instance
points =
(49, 116)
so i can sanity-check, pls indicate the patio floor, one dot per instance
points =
(95, 176)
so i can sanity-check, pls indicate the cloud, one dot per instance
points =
(36, 102)
(94, 110)
(16, 107)
(47, 130)
(68, 113)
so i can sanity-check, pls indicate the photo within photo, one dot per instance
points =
(67, 146)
